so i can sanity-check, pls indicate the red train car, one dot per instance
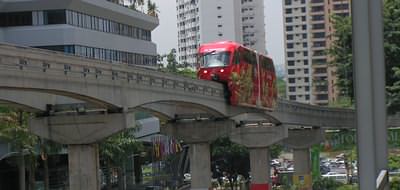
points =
(249, 76)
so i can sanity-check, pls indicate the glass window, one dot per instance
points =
(215, 59)
(16, 19)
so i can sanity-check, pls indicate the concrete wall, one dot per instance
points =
(48, 35)
(230, 20)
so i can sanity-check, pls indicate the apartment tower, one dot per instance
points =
(308, 29)
(208, 20)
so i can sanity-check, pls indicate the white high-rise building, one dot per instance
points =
(298, 65)
(308, 30)
(253, 24)
(209, 20)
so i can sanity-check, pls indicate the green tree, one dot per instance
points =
(231, 158)
(395, 183)
(326, 184)
(392, 52)
(393, 92)
(152, 9)
(114, 152)
(137, 4)
(187, 73)
(341, 52)
(281, 88)
(13, 129)
(394, 162)
(172, 63)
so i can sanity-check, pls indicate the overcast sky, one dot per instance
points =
(166, 38)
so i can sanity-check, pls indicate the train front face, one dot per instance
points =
(214, 64)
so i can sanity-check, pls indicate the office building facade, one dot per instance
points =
(100, 30)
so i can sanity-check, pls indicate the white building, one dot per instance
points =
(298, 67)
(308, 36)
(203, 21)
(96, 29)
(253, 24)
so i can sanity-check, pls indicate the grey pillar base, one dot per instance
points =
(199, 135)
(83, 165)
(301, 140)
(200, 165)
(258, 139)
(302, 161)
(260, 168)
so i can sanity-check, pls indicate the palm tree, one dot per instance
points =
(136, 4)
(152, 9)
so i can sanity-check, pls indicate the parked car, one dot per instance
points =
(339, 177)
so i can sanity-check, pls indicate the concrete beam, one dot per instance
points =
(80, 129)
(258, 136)
(198, 131)
(304, 138)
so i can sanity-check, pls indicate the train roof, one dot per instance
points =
(225, 44)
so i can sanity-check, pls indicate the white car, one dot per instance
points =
(339, 177)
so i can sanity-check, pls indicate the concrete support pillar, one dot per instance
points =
(260, 168)
(200, 166)
(83, 167)
(81, 133)
(258, 139)
(199, 135)
(301, 140)
(302, 161)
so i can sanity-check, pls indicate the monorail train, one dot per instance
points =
(249, 76)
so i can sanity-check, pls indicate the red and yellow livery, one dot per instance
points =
(249, 76)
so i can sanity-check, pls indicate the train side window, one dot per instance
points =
(236, 57)
(247, 56)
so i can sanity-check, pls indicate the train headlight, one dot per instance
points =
(205, 71)
(222, 70)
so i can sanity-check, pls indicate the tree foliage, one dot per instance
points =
(14, 129)
(173, 66)
(326, 184)
(152, 9)
(393, 92)
(118, 147)
(392, 52)
(341, 52)
(137, 4)
(394, 162)
(115, 150)
(281, 88)
(229, 160)
(233, 159)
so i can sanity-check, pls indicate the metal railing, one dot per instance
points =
(382, 182)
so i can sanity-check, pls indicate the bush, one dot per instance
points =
(326, 184)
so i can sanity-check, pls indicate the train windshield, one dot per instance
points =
(214, 59)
